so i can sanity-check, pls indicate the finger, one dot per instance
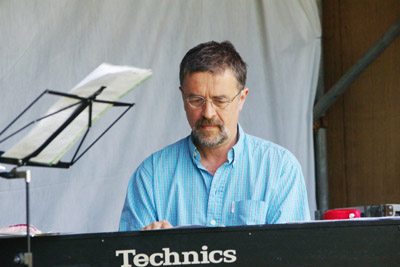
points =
(158, 225)
(165, 224)
(150, 226)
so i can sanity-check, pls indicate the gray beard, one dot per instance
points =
(210, 141)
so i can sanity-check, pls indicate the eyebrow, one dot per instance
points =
(219, 96)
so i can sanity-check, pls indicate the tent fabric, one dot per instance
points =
(55, 44)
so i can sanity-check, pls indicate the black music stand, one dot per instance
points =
(82, 104)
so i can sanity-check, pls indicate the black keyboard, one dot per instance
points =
(333, 243)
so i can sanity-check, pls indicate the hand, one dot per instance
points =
(164, 224)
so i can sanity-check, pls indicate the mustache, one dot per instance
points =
(206, 122)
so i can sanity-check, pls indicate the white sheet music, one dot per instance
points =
(119, 80)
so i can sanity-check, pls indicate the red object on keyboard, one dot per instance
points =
(342, 214)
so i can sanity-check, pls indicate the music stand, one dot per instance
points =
(66, 119)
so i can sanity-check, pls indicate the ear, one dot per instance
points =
(181, 89)
(183, 94)
(242, 98)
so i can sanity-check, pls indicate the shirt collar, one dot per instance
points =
(233, 153)
(194, 153)
(236, 150)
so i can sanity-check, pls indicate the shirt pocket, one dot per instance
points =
(248, 212)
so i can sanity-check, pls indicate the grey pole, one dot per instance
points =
(320, 151)
(321, 169)
(320, 145)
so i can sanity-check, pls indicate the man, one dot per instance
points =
(218, 175)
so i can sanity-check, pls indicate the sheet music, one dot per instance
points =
(119, 80)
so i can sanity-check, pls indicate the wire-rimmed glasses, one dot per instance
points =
(217, 102)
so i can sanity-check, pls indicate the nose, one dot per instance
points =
(208, 110)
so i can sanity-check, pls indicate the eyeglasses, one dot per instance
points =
(217, 102)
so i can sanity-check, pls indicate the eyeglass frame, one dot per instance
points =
(211, 100)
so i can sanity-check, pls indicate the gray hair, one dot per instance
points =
(214, 57)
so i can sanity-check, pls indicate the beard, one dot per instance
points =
(209, 138)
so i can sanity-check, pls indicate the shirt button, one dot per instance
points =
(213, 222)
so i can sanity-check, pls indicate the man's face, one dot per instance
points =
(213, 127)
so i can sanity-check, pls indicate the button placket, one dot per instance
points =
(214, 208)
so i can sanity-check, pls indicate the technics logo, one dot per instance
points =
(166, 257)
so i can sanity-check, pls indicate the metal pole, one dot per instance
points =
(320, 145)
(28, 255)
(320, 150)
(340, 87)
(321, 169)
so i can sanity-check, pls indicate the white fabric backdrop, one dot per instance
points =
(54, 44)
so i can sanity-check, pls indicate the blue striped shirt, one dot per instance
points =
(261, 183)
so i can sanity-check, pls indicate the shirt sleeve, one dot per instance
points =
(138, 210)
(289, 200)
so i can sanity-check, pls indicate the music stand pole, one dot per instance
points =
(28, 255)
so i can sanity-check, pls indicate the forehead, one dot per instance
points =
(223, 83)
